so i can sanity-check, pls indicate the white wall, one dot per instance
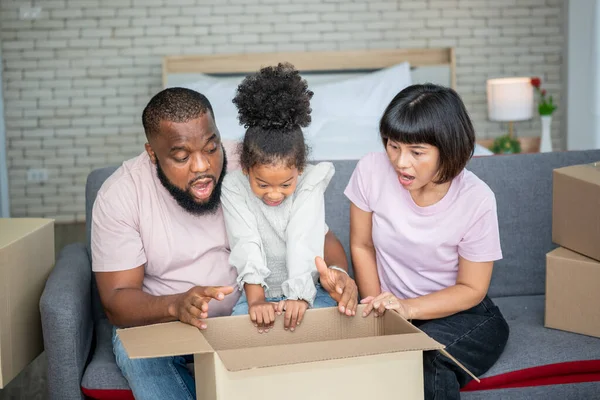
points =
(583, 83)
(76, 79)
(4, 197)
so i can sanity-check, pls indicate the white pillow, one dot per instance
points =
(366, 95)
(229, 127)
(220, 93)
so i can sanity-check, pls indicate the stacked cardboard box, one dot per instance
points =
(573, 270)
(26, 259)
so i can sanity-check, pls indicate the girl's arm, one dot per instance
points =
(363, 252)
(247, 253)
(304, 233)
(471, 286)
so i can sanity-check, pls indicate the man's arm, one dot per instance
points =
(334, 253)
(127, 305)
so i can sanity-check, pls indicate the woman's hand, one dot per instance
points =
(387, 301)
(262, 314)
(294, 312)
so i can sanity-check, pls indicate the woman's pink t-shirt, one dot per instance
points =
(417, 248)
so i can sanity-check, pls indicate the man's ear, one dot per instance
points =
(150, 152)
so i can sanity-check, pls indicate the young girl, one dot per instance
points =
(274, 206)
(424, 234)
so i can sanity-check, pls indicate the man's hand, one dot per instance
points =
(192, 306)
(386, 301)
(340, 287)
(294, 312)
(262, 314)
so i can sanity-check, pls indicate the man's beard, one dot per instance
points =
(184, 197)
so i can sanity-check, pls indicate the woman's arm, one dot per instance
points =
(363, 252)
(471, 286)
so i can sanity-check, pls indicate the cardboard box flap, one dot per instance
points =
(15, 229)
(323, 324)
(160, 340)
(568, 255)
(584, 172)
(270, 356)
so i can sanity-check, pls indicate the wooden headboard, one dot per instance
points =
(310, 61)
(321, 61)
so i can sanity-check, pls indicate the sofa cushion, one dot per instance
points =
(522, 184)
(536, 355)
(102, 374)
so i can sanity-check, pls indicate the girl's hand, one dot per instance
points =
(386, 301)
(294, 312)
(262, 314)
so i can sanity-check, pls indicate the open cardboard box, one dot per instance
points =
(329, 356)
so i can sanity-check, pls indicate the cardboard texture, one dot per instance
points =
(26, 259)
(576, 208)
(572, 292)
(328, 356)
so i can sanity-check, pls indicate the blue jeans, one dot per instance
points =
(322, 300)
(165, 378)
(475, 337)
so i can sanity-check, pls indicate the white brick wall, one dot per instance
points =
(77, 79)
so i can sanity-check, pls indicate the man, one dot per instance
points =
(159, 246)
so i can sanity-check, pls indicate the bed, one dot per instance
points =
(351, 90)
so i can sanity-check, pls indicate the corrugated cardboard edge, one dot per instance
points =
(272, 356)
(581, 172)
(441, 349)
(35, 223)
(161, 340)
(562, 253)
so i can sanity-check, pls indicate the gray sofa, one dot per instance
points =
(77, 332)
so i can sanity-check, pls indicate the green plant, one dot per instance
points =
(506, 144)
(545, 107)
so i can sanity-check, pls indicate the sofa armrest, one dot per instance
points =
(67, 322)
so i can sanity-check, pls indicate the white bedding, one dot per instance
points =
(346, 109)
(333, 138)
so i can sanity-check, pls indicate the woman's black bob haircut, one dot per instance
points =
(433, 115)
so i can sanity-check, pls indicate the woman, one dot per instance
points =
(424, 234)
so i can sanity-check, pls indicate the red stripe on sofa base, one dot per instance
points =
(108, 394)
(552, 374)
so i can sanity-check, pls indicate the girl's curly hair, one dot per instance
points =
(274, 105)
